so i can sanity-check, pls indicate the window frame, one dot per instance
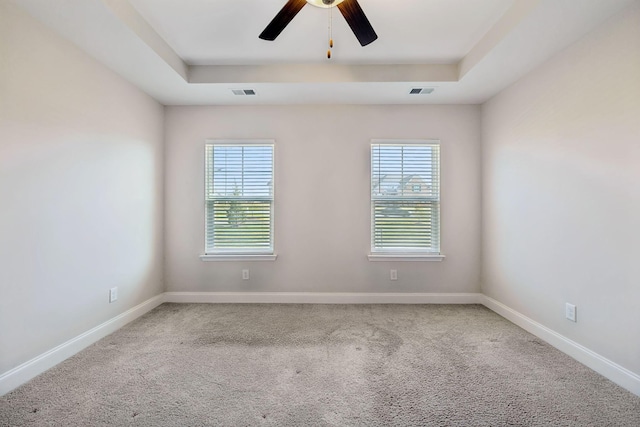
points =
(403, 254)
(242, 254)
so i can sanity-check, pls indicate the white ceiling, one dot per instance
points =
(193, 52)
(207, 32)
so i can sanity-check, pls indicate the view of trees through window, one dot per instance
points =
(239, 197)
(405, 197)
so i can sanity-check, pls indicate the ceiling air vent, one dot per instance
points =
(243, 91)
(421, 91)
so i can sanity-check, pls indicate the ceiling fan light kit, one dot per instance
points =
(350, 9)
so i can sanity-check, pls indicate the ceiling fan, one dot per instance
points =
(350, 9)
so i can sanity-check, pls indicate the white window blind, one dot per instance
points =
(239, 198)
(405, 197)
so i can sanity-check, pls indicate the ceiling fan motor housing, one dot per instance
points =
(350, 9)
(324, 3)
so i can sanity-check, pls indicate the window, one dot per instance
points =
(238, 198)
(405, 197)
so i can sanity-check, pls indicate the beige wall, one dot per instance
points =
(81, 187)
(561, 192)
(322, 205)
(80, 191)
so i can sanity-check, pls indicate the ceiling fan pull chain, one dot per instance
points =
(330, 34)
(331, 27)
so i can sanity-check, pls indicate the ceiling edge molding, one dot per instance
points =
(323, 73)
(510, 20)
(126, 13)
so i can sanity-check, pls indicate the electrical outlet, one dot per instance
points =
(245, 274)
(570, 312)
(393, 274)
(113, 294)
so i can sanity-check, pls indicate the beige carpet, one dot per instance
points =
(313, 365)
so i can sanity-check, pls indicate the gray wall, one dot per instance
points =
(561, 193)
(80, 191)
(322, 209)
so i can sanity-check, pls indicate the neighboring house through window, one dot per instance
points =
(238, 198)
(405, 197)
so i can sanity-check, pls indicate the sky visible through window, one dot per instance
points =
(397, 170)
(242, 171)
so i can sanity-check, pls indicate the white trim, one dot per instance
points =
(405, 141)
(240, 141)
(373, 199)
(405, 257)
(238, 257)
(605, 367)
(322, 298)
(21, 374)
(243, 142)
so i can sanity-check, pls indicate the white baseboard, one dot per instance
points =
(28, 370)
(322, 298)
(605, 367)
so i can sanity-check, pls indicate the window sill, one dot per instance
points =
(405, 257)
(238, 257)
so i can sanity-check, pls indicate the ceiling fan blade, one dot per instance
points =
(358, 21)
(282, 19)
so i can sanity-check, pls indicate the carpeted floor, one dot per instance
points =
(313, 365)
